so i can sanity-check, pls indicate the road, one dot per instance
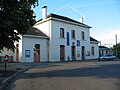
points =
(101, 75)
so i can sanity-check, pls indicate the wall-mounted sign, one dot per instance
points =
(27, 53)
(68, 39)
(73, 43)
(78, 42)
(6, 58)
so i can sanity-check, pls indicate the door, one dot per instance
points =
(37, 53)
(62, 53)
(83, 52)
(73, 52)
(17, 52)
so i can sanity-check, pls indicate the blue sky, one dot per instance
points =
(102, 15)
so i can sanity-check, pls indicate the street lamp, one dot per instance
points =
(116, 43)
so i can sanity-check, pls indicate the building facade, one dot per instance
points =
(104, 51)
(68, 39)
(56, 38)
(33, 47)
(94, 48)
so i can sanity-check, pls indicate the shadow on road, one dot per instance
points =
(101, 71)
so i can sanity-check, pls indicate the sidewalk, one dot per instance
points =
(12, 70)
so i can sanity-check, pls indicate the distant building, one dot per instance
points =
(94, 48)
(104, 51)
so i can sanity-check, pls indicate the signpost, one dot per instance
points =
(6, 58)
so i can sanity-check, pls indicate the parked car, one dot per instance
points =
(107, 57)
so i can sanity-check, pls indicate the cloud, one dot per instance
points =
(63, 7)
(108, 36)
(93, 4)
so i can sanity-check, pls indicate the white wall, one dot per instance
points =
(86, 42)
(28, 44)
(20, 49)
(52, 29)
(5, 51)
(56, 41)
(44, 27)
(104, 51)
(96, 51)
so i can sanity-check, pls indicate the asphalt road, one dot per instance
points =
(101, 75)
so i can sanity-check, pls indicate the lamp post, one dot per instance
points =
(116, 44)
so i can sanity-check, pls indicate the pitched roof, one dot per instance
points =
(92, 39)
(103, 47)
(65, 18)
(36, 32)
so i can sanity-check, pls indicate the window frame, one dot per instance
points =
(93, 50)
(62, 33)
(83, 35)
(72, 34)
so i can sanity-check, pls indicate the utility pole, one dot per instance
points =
(100, 43)
(109, 45)
(116, 43)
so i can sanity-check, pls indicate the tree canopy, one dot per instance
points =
(16, 17)
(116, 50)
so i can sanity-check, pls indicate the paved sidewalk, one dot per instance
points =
(12, 70)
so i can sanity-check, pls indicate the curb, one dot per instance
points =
(5, 82)
(8, 80)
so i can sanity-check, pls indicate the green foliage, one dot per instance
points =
(16, 17)
(118, 50)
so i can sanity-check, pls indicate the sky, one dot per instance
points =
(102, 15)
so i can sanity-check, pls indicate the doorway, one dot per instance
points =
(17, 52)
(73, 52)
(83, 52)
(37, 53)
(62, 53)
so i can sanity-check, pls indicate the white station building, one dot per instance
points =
(56, 38)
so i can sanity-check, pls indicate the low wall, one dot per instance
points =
(2, 58)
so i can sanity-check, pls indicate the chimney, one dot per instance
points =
(81, 20)
(44, 12)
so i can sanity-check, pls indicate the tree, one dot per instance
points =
(116, 47)
(16, 17)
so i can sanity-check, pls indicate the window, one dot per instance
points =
(68, 38)
(78, 42)
(83, 35)
(102, 52)
(92, 50)
(106, 51)
(73, 34)
(61, 32)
